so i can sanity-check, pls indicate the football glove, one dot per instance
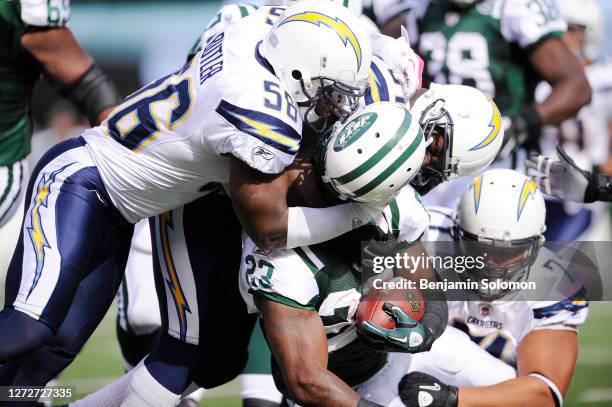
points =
(422, 390)
(524, 131)
(563, 178)
(408, 336)
(405, 63)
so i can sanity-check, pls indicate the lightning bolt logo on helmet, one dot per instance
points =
(35, 230)
(495, 127)
(529, 188)
(347, 36)
(477, 188)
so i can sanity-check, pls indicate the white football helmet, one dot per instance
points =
(588, 14)
(502, 213)
(321, 52)
(471, 125)
(355, 6)
(373, 154)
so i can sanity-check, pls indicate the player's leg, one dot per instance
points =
(203, 317)
(382, 387)
(138, 319)
(13, 184)
(66, 202)
(456, 360)
(257, 387)
(94, 296)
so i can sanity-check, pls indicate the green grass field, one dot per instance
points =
(100, 363)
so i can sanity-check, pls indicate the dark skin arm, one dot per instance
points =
(554, 61)
(261, 200)
(62, 58)
(535, 354)
(303, 358)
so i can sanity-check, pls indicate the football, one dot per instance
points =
(371, 306)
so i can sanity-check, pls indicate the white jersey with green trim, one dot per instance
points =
(164, 143)
(320, 278)
(500, 326)
(49, 13)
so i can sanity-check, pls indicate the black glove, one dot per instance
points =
(422, 390)
(408, 336)
(524, 131)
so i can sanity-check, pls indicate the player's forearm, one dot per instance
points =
(60, 55)
(522, 391)
(567, 97)
(322, 388)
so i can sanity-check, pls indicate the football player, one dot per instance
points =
(315, 289)
(35, 40)
(166, 145)
(497, 349)
(504, 48)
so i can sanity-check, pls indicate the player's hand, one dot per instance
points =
(408, 336)
(420, 389)
(563, 178)
(405, 63)
(522, 130)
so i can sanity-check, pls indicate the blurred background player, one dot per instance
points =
(497, 349)
(35, 41)
(585, 136)
(504, 48)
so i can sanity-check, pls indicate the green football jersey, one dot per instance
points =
(486, 46)
(323, 278)
(19, 70)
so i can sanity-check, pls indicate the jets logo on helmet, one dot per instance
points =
(347, 36)
(495, 126)
(353, 130)
(374, 154)
(528, 190)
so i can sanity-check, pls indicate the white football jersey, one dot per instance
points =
(161, 147)
(499, 326)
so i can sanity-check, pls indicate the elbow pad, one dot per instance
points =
(92, 93)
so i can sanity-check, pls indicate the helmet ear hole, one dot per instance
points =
(295, 74)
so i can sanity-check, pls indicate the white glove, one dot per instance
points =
(405, 63)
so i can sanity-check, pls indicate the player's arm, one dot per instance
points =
(260, 202)
(544, 373)
(554, 61)
(297, 340)
(71, 71)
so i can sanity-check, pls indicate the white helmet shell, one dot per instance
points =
(503, 205)
(374, 154)
(476, 126)
(318, 38)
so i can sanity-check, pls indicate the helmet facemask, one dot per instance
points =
(334, 99)
(505, 260)
(436, 122)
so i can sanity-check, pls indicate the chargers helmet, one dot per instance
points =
(470, 124)
(373, 154)
(321, 52)
(502, 213)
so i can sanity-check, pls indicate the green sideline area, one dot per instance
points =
(100, 363)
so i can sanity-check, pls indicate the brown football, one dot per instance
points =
(371, 306)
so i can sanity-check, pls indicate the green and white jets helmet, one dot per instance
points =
(373, 154)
